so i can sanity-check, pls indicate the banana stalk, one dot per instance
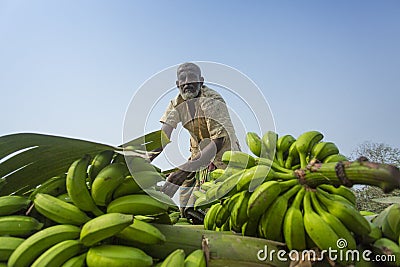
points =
(220, 247)
(347, 173)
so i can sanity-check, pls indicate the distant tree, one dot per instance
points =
(381, 153)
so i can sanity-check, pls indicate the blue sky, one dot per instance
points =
(71, 68)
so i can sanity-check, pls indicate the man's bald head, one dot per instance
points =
(188, 66)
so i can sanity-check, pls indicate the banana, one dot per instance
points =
(137, 205)
(254, 143)
(269, 140)
(59, 253)
(293, 225)
(13, 204)
(209, 219)
(255, 175)
(239, 211)
(322, 150)
(249, 228)
(54, 186)
(117, 256)
(229, 186)
(138, 164)
(282, 148)
(388, 247)
(228, 171)
(317, 229)
(393, 220)
(136, 184)
(176, 258)
(272, 219)
(293, 157)
(164, 198)
(337, 226)
(215, 174)
(59, 211)
(19, 225)
(76, 261)
(104, 226)
(238, 159)
(346, 213)
(196, 259)
(142, 232)
(305, 143)
(335, 158)
(335, 197)
(108, 179)
(342, 191)
(262, 198)
(26, 253)
(101, 160)
(77, 188)
(174, 216)
(8, 244)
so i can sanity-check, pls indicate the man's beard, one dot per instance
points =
(190, 94)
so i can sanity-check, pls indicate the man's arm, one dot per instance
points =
(168, 131)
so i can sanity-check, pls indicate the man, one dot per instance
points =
(203, 112)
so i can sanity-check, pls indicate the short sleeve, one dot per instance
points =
(217, 117)
(171, 116)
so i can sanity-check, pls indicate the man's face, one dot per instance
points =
(189, 83)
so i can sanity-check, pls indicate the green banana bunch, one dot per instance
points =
(19, 225)
(176, 258)
(305, 143)
(262, 198)
(59, 211)
(76, 186)
(117, 256)
(322, 150)
(271, 222)
(142, 232)
(30, 249)
(8, 244)
(256, 175)
(341, 191)
(282, 148)
(346, 213)
(195, 259)
(13, 204)
(226, 209)
(137, 205)
(269, 140)
(108, 179)
(337, 226)
(101, 160)
(59, 253)
(293, 225)
(254, 143)
(335, 197)
(239, 211)
(238, 159)
(104, 226)
(317, 229)
(54, 186)
(76, 261)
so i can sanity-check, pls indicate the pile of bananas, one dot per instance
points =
(268, 195)
(94, 215)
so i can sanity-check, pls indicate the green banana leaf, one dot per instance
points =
(29, 159)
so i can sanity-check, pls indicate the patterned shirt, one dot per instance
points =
(211, 120)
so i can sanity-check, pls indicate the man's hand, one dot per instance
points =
(173, 182)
